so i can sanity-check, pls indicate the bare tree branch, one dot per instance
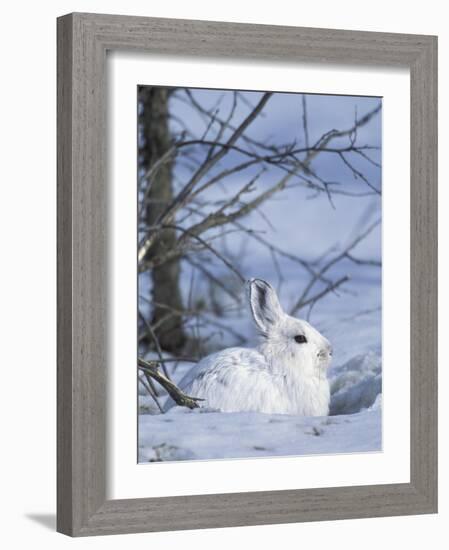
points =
(193, 235)
(208, 320)
(179, 200)
(178, 396)
(302, 300)
(304, 120)
(156, 343)
(215, 280)
(147, 383)
(331, 288)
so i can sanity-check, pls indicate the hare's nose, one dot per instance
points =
(326, 351)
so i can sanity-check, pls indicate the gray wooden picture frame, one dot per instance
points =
(83, 40)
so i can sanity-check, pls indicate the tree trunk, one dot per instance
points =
(165, 279)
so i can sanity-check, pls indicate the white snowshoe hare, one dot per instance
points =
(285, 374)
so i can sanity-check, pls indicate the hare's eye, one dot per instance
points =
(300, 339)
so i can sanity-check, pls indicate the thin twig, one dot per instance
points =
(302, 299)
(209, 247)
(178, 396)
(319, 295)
(156, 343)
(147, 383)
(304, 120)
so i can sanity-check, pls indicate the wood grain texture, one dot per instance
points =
(83, 40)
(64, 276)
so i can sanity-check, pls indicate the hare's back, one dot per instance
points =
(228, 379)
(235, 379)
(229, 360)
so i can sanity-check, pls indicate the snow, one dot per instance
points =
(356, 385)
(182, 434)
(202, 434)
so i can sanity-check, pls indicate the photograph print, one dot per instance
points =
(259, 257)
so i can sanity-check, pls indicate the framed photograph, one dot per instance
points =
(247, 248)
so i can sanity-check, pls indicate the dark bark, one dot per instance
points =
(150, 368)
(165, 278)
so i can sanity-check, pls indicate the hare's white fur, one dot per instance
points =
(280, 376)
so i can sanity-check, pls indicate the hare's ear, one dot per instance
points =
(264, 304)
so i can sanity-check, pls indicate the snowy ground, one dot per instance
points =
(190, 435)
(353, 426)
